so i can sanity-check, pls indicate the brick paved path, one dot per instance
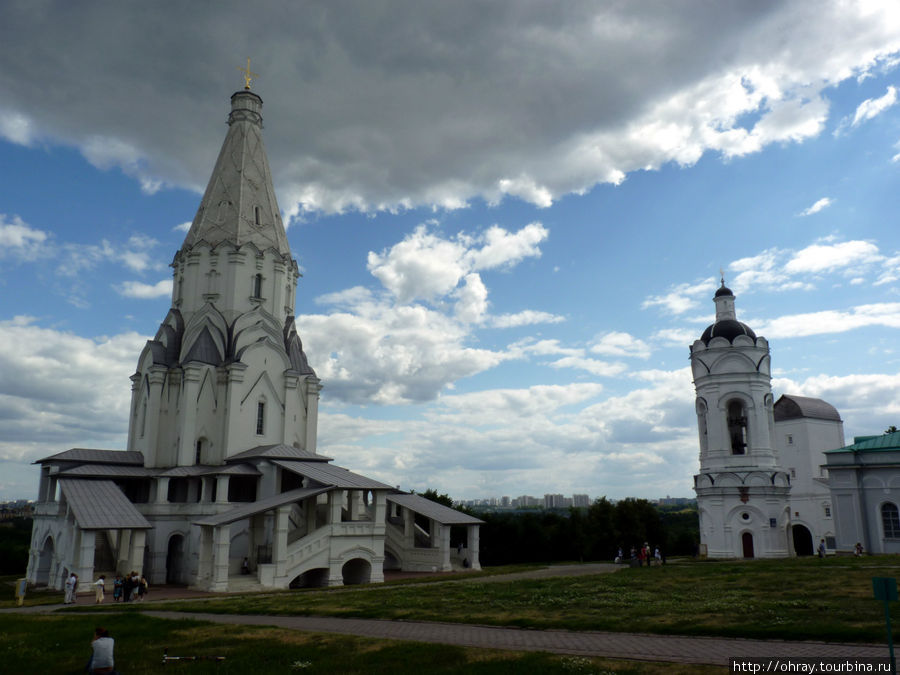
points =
(640, 647)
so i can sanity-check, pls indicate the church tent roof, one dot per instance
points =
(90, 455)
(252, 508)
(442, 514)
(794, 407)
(101, 505)
(280, 451)
(336, 476)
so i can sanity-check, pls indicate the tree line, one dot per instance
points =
(582, 534)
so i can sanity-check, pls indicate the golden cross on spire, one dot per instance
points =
(247, 74)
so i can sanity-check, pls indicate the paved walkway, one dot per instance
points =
(632, 646)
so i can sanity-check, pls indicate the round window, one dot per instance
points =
(745, 516)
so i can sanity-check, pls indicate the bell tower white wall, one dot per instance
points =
(742, 490)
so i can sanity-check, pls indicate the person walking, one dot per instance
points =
(100, 588)
(71, 584)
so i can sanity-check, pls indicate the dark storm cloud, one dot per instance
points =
(379, 105)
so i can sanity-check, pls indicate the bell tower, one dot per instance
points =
(742, 491)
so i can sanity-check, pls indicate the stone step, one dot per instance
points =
(244, 583)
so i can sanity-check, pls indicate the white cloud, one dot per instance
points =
(620, 344)
(527, 317)
(426, 266)
(16, 128)
(821, 204)
(183, 227)
(593, 366)
(389, 354)
(829, 257)
(47, 407)
(471, 303)
(872, 107)
(885, 314)
(682, 297)
(19, 240)
(137, 289)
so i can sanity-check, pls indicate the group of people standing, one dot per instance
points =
(132, 587)
(642, 555)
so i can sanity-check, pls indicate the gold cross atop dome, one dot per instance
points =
(247, 74)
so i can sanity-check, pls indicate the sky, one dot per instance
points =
(511, 217)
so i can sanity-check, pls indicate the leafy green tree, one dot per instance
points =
(433, 495)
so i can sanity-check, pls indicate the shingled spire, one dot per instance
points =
(239, 204)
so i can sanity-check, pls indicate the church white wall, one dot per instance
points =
(801, 444)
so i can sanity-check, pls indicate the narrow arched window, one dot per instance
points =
(702, 425)
(260, 418)
(890, 521)
(257, 286)
(143, 418)
(256, 215)
(737, 427)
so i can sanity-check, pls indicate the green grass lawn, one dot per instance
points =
(61, 645)
(799, 599)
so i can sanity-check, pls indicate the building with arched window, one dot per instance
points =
(865, 485)
(222, 464)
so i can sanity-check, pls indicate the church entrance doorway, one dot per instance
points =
(175, 560)
(747, 543)
(803, 541)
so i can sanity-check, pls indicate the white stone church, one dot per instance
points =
(222, 462)
(762, 489)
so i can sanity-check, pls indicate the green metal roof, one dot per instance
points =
(883, 443)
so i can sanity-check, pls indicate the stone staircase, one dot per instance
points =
(245, 583)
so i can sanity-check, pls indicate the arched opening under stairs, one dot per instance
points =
(356, 571)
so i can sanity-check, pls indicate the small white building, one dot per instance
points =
(222, 463)
(865, 485)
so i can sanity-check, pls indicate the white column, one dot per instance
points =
(190, 383)
(136, 558)
(472, 545)
(445, 547)
(220, 551)
(205, 558)
(409, 534)
(279, 539)
(313, 387)
(162, 490)
(85, 558)
(221, 489)
(335, 503)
